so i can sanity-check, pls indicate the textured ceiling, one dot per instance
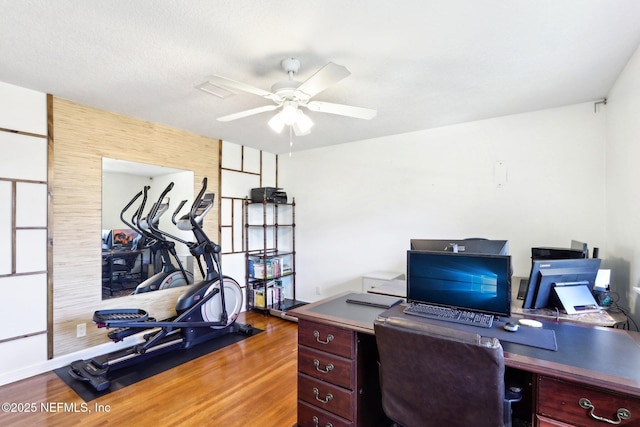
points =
(419, 63)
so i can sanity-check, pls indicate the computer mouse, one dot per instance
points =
(511, 327)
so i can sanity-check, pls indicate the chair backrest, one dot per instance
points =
(437, 376)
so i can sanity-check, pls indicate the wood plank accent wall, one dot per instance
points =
(83, 135)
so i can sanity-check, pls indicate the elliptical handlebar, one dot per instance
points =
(196, 226)
(138, 219)
(198, 198)
(156, 206)
(131, 202)
(155, 228)
(173, 218)
(141, 208)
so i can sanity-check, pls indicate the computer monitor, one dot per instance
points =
(123, 238)
(545, 274)
(474, 282)
(472, 245)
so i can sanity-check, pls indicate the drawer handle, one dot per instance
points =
(316, 422)
(326, 399)
(622, 413)
(317, 335)
(328, 369)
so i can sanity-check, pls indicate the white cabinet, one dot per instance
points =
(385, 283)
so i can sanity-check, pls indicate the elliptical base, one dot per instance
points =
(97, 372)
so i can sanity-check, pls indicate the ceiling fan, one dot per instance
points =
(289, 96)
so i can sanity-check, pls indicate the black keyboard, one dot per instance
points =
(450, 315)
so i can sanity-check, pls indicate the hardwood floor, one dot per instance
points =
(250, 383)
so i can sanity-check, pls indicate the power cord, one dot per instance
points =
(617, 308)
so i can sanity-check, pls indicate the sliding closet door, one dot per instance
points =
(23, 227)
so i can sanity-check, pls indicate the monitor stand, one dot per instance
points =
(576, 298)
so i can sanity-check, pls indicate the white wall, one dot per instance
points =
(117, 190)
(623, 176)
(358, 204)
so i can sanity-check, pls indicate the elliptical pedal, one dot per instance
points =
(102, 317)
(85, 371)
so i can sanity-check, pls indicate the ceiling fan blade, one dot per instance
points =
(229, 84)
(341, 109)
(328, 75)
(247, 113)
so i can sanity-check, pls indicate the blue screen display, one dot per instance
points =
(475, 282)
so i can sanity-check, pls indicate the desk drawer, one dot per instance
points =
(327, 367)
(329, 397)
(327, 338)
(560, 400)
(312, 416)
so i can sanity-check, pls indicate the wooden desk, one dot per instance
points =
(596, 363)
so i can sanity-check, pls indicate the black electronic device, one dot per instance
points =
(473, 282)
(471, 245)
(541, 253)
(268, 194)
(576, 251)
(522, 288)
(548, 273)
(373, 300)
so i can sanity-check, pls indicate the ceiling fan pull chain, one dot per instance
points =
(290, 140)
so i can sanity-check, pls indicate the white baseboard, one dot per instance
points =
(58, 362)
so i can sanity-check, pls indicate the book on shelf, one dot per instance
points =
(258, 298)
(265, 269)
(269, 295)
(287, 269)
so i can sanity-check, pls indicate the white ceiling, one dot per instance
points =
(419, 63)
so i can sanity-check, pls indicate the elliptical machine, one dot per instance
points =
(169, 276)
(203, 312)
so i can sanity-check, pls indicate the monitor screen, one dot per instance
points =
(475, 282)
(123, 238)
(472, 245)
(548, 273)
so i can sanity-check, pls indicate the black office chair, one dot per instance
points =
(432, 375)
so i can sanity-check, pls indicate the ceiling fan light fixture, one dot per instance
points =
(289, 112)
(277, 123)
(303, 123)
(289, 97)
